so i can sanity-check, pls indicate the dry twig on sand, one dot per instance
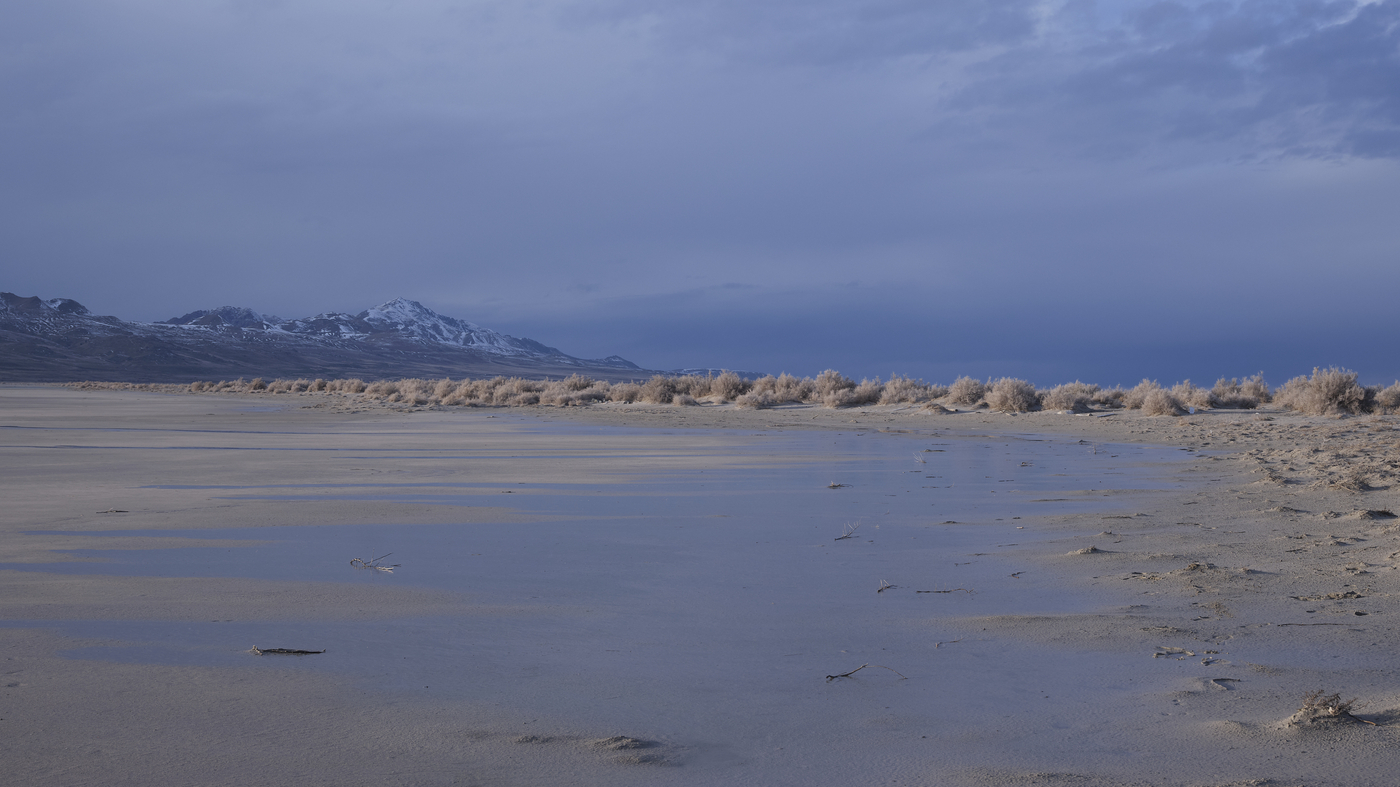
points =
(850, 531)
(830, 678)
(358, 562)
(969, 591)
(257, 651)
(1318, 707)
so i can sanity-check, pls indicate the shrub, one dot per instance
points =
(627, 393)
(832, 381)
(757, 400)
(660, 389)
(1110, 397)
(966, 390)
(1075, 396)
(1258, 389)
(381, 389)
(1328, 391)
(1160, 401)
(785, 388)
(868, 392)
(258, 384)
(1010, 395)
(903, 390)
(1134, 398)
(1189, 395)
(1234, 394)
(577, 382)
(729, 386)
(1388, 399)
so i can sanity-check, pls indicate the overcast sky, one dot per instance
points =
(1047, 190)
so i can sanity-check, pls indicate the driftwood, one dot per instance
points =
(830, 678)
(359, 562)
(257, 651)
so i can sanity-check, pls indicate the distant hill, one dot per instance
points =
(59, 340)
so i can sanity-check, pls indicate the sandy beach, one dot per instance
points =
(638, 594)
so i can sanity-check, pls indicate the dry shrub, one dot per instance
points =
(1327, 392)
(414, 391)
(318, 385)
(577, 382)
(566, 393)
(1110, 397)
(514, 391)
(1010, 395)
(1242, 396)
(522, 399)
(684, 400)
(757, 400)
(966, 390)
(381, 389)
(1160, 401)
(258, 384)
(905, 390)
(694, 385)
(785, 388)
(1325, 710)
(1257, 388)
(1075, 396)
(832, 382)
(729, 386)
(1134, 397)
(1189, 395)
(1388, 399)
(868, 392)
(660, 389)
(627, 393)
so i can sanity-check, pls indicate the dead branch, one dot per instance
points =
(850, 531)
(830, 678)
(358, 562)
(257, 651)
(954, 590)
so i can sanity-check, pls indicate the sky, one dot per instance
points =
(1051, 190)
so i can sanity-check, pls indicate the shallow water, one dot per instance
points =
(702, 608)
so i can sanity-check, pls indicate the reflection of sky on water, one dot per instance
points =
(711, 588)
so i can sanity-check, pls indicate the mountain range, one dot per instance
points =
(59, 340)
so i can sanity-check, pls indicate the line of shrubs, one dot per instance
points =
(1327, 391)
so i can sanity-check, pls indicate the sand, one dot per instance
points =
(1163, 636)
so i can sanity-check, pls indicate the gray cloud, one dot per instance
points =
(995, 175)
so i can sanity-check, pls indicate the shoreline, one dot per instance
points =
(1258, 572)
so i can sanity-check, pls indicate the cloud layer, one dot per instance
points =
(1075, 187)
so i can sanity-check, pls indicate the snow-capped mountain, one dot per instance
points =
(59, 339)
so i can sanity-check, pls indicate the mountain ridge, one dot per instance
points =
(59, 340)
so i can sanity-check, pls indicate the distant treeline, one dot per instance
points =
(1327, 391)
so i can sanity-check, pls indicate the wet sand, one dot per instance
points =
(1161, 636)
